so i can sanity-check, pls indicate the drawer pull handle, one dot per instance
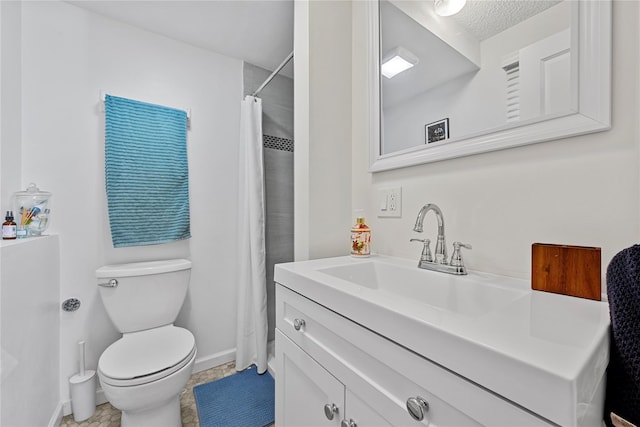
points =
(417, 407)
(330, 409)
(350, 423)
(298, 324)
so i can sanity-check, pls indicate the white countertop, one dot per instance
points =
(544, 351)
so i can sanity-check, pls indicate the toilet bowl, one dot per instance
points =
(144, 372)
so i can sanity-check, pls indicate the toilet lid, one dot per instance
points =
(144, 353)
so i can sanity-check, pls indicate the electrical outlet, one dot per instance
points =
(390, 202)
(393, 202)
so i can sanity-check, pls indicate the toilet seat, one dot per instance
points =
(146, 356)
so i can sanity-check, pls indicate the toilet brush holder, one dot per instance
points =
(83, 389)
(83, 395)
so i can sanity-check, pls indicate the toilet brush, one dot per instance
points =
(81, 347)
(83, 389)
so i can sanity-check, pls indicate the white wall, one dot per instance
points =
(10, 102)
(10, 137)
(582, 190)
(30, 331)
(301, 101)
(69, 56)
(322, 126)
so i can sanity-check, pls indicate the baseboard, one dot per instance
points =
(56, 417)
(217, 359)
(100, 397)
(271, 361)
(66, 405)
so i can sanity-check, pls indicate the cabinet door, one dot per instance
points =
(304, 388)
(362, 414)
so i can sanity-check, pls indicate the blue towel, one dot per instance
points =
(147, 178)
(623, 373)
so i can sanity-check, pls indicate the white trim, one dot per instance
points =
(373, 101)
(271, 356)
(66, 404)
(100, 397)
(211, 361)
(574, 124)
(66, 407)
(301, 86)
(57, 415)
(592, 27)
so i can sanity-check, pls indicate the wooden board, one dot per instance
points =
(567, 270)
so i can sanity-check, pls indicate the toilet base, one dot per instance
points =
(166, 415)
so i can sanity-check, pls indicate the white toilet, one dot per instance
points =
(144, 372)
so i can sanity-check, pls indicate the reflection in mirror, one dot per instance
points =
(495, 65)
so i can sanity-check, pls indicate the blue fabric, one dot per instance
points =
(623, 372)
(245, 399)
(147, 178)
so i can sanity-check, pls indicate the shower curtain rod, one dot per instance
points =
(277, 70)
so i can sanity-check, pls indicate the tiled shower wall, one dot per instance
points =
(277, 127)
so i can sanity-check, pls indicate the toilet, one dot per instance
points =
(144, 372)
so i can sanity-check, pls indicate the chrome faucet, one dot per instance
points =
(440, 262)
(441, 245)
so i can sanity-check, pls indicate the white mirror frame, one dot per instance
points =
(593, 109)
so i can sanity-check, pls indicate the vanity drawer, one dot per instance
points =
(385, 374)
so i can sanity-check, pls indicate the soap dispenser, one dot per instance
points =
(360, 238)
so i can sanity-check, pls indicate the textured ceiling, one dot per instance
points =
(486, 18)
(261, 31)
(256, 31)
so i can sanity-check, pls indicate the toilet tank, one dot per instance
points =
(147, 295)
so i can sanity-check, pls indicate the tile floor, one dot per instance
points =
(107, 416)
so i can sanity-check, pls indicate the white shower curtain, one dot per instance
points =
(251, 335)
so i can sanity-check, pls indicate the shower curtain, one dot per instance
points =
(251, 335)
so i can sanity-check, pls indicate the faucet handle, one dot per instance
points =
(426, 250)
(456, 257)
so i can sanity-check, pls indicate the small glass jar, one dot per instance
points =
(31, 211)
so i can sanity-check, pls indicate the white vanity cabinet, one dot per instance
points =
(325, 359)
(304, 387)
(310, 395)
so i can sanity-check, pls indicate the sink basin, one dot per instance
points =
(545, 352)
(461, 295)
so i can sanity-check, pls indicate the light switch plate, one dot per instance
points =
(390, 202)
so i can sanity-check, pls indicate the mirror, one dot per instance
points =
(499, 74)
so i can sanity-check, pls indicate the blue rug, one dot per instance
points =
(245, 399)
